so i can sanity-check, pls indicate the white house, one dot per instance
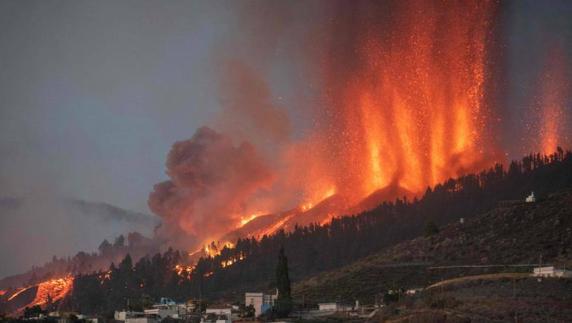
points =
(328, 307)
(550, 271)
(163, 311)
(260, 301)
(217, 315)
(123, 315)
(143, 319)
(531, 198)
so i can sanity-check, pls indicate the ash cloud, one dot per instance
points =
(211, 180)
(248, 110)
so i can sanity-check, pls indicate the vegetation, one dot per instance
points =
(431, 229)
(347, 239)
(490, 243)
(488, 300)
(283, 304)
(128, 286)
(324, 248)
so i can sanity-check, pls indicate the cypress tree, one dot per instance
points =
(284, 300)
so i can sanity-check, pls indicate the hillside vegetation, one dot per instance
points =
(314, 249)
(508, 235)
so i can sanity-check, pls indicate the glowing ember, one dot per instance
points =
(184, 271)
(214, 249)
(232, 261)
(104, 276)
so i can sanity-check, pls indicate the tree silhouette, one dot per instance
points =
(283, 304)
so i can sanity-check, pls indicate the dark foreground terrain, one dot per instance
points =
(497, 249)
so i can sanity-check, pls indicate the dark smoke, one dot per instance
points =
(211, 180)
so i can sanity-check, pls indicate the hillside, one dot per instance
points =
(487, 298)
(318, 248)
(513, 234)
(72, 226)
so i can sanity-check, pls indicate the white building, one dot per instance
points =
(123, 315)
(217, 315)
(163, 311)
(531, 198)
(328, 307)
(550, 271)
(166, 308)
(143, 319)
(336, 307)
(260, 301)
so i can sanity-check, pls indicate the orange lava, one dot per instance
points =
(214, 249)
(55, 289)
(554, 93)
(246, 219)
(18, 292)
(184, 270)
(413, 112)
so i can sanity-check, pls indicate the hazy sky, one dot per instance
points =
(94, 93)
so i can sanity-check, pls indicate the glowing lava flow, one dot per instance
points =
(246, 219)
(18, 292)
(53, 289)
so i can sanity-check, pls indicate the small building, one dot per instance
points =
(123, 315)
(143, 319)
(217, 315)
(168, 308)
(531, 198)
(337, 307)
(328, 307)
(550, 271)
(260, 301)
(413, 291)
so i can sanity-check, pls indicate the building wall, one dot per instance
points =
(256, 300)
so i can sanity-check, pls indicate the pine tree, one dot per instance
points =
(284, 300)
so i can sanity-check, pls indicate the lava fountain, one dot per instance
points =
(403, 107)
(409, 110)
(551, 104)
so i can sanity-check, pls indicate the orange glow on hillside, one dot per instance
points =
(214, 249)
(18, 292)
(246, 219)
(55, 289)
(184, 271)
(554, 92)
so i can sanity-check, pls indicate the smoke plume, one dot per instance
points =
(404, 96)
(211, 180)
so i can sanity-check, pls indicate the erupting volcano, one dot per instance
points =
(405, 103)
